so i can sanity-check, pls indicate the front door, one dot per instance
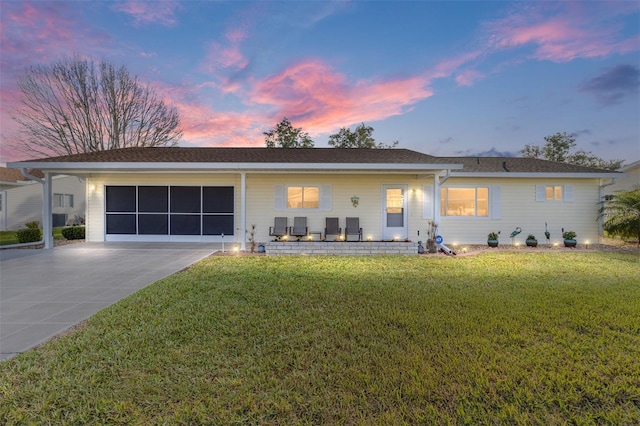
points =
(394, 212)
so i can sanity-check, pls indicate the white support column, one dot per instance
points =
(436, 199)
(47, 209)
(243, 211)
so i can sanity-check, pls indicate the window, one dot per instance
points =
(62, 200)
(553, 192)
(303, 197)
(464, 201)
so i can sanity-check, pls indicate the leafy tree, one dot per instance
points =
(621, 214)
(75, 106)
(558, 149)
(284, 135)
(361, 137)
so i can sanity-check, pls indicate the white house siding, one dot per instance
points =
(629, 182)
(24, 203)
(260, 194)
(261, 209)
(97, 182)
(520, 209)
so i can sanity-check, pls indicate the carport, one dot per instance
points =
(45, 292)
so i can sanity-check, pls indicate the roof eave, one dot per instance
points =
(524, 175)
(237, 167)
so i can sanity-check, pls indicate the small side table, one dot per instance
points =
(313, 235)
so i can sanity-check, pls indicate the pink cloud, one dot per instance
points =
(320, 100)
(220, 57)
(468, 77)
(149, 12)
(567, 35)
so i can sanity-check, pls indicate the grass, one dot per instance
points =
(496, 338)
(10, 237)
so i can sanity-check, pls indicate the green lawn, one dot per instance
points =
(497, 338)
(9, 237)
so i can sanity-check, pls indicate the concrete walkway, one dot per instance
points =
(45, 292)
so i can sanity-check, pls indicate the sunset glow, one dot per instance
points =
(443, 78)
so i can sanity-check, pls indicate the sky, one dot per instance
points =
(446, 78)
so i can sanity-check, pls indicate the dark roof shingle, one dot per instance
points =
(247, 155)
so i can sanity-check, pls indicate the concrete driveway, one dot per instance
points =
(44, 292)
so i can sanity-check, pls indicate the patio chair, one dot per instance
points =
(332, 227)
(279, 228)
(353, 228)
(299, 227)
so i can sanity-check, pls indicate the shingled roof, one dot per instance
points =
(14, 175)
(246, 155)
(517, 165)
(165, 156)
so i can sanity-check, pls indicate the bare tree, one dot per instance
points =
(74, 106)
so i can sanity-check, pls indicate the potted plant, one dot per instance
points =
(531, 241)
(492, 239)
(569, 238)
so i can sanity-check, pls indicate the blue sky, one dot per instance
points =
(443, 78)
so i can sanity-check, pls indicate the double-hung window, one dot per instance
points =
(471, 202)
(303, 197)
(560, 193)
(296, 196)
(62, 200)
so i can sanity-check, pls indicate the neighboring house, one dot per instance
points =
(21, 198)
(628, 182)
(203, 194)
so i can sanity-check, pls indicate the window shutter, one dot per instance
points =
(325, 197)
(567, 194)
(541, 193)
(496, 202)
(278, 191)
(427, 202)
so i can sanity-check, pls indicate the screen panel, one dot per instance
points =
(121, 224)
(121, 198)
(153, 199)
(217, 224)
(217, 199)
(185, 199)
(183, 224)
(153, 224)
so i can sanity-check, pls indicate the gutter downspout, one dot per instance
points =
(243, 211)
(437, 181)
(601, 197)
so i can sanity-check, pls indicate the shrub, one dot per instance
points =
(531, 237)
(34, 224)
(29, 235)
(73, 233)
(569, 235)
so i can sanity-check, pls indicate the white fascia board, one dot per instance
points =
(534, 175)
(185, 166)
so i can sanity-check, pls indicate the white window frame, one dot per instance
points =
(324, 197)
(62, 200)
(567, 193)
(302, 193)
(443, 206)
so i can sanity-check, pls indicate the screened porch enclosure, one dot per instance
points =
(177, 213)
